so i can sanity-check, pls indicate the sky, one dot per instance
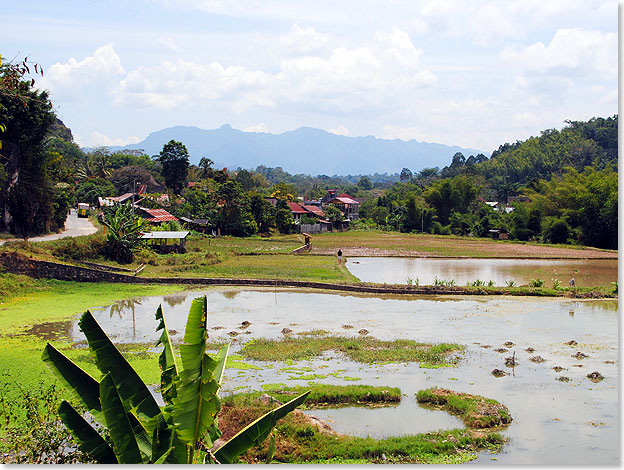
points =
(473, 73)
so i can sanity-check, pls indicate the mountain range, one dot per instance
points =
(305, 150)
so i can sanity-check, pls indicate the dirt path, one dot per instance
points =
(74, 227)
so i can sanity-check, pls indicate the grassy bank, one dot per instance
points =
(301, 440)
(364, 349)
(474, 410)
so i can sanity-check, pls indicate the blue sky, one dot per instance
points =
(458, 72)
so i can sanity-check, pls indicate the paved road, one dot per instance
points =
(74, 227)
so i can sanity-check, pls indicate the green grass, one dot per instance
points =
(58, 302)
(367, 350)
(300, 442)
(322, 395)
(476, 411)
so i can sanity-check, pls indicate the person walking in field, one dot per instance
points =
(339, 256)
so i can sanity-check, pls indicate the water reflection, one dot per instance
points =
(500, 271)
(554, 422)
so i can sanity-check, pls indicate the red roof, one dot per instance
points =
(314, 209)
(344, 200)
(158, 215)
(296, 208)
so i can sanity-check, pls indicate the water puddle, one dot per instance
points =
(590, 273)
(555, 422)
(406, 419)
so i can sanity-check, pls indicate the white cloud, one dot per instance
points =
(97, 139)
(341, 79)
(570, 50)
(302, 40)
(169, 43)
(262, 127)
(340, 130)
(66, 80)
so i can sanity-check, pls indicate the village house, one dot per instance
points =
(156, 216)
(347, 205)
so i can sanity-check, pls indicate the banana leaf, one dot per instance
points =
(118, 424)
(197, 403)
(166, 360)
(256, 432)
(221, 360)
(83, 386)
(89, 441)
(130, 387)
(194, 345)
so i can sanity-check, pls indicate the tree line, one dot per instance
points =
(567, 180)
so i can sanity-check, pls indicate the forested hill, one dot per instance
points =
(579, 144)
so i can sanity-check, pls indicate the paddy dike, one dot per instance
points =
(20, 264)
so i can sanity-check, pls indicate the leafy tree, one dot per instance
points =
(88, 191)
(244, 178)
(411, 217)
(64, 199)
(123, 232)
(283, 217)
(406, 174)
(235, 217)
(557, 231)
(26, 116)
(365, 183)
(262, 212)
(379, 214)
(174, 158)
(283, 192)
(199, 204)
(333, 214)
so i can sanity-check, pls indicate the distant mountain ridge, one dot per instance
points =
(305, 150)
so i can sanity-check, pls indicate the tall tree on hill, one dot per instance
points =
(26, 192)
(174, 158)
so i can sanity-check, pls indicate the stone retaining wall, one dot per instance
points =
(19, 264)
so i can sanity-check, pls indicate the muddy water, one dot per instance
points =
(555, 422)
(589, 273)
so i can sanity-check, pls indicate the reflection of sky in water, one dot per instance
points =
(552, 419)
(521, 271)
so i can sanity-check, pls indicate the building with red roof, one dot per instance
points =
(156, 216)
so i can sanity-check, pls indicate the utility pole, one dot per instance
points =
(422, 218)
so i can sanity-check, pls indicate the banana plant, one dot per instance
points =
(182, 431)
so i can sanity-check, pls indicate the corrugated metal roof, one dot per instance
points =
(344, 200)
(296, 208)
(177, 235)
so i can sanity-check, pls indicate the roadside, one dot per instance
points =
(74, 227)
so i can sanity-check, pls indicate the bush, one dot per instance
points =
(80, 248)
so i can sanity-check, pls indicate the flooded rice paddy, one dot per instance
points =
(555, 422)
(587, 273)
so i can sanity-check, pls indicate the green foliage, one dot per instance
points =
(174, 159)
(123, 232)
(333, 214)
(536, 283)
(89, 190)
(284, 221)
(31, 431)
(26, 189)
(184, 430)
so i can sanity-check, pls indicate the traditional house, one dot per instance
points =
(347, 205)
(156, 216)
(297, 211)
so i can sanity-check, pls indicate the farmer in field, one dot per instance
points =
(339, 256)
